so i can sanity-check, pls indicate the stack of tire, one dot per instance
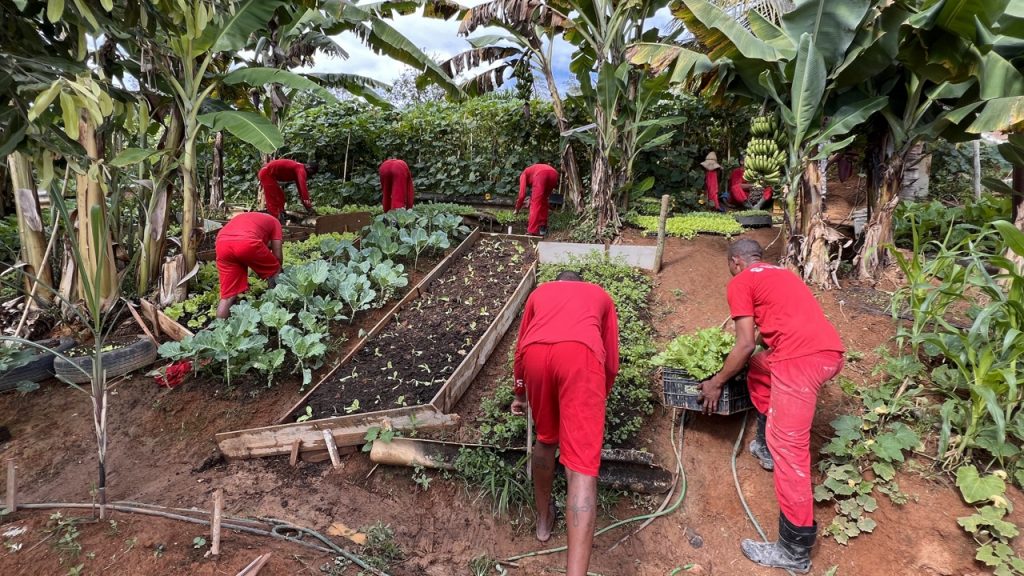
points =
(766, 156)
(39, 368)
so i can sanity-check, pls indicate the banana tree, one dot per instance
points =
(184, 51)
(31, 229)
(525, 45)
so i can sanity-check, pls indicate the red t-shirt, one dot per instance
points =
(285, 170)
(251, 226)
(789, 317)
(569, 311)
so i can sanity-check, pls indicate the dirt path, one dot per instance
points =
(162, 452)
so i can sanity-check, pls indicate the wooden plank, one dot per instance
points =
(456, 385)
(332, 448)
(167, 326)
(294, 458)
(410, 296)
(347, 431)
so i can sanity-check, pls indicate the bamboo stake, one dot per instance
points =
(529, 442)
(662, 219)
(332, 448)
(12, 487)
(218, 512)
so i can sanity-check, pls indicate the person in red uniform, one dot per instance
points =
(804, 351)
(739, 191)
(566, 360)
(284, 170)
(711, 176)
(249, 240)
(396, 184)
(541, 179)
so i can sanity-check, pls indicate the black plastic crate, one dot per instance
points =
(680, 390)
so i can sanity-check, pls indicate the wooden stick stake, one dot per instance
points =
(255, 566)
(12, 487)
(295, 452)
(529, 443)
(661, 233)
(332, 448)
(218, 512)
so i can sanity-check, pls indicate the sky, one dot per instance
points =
(437, 38)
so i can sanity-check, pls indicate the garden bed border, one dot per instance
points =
(349, 430)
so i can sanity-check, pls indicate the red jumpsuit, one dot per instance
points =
(283, 170)
(737, 195)
(804, 352)
(541, 179)
(567, 357)
(711, 184)
(396, 184)
(242, 244)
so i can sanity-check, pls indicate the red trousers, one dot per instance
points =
(273, 193)
(234, 260)
(567, 390)
(787, 391)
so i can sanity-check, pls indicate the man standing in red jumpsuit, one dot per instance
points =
(804, 352)
(249, 240)
(711, 175)
(284, 170)
(396, 184)
(541, 179)
(566, 360)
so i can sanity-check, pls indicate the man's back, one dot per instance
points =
(251, 226)
(284, 169)
(784, 309)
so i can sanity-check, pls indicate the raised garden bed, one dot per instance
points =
(449, 324)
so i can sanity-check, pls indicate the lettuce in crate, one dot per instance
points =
(700, 354)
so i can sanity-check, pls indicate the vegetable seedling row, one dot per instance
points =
(478, 290)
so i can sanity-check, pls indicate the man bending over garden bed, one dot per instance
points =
(542, 180)
(804, 352)
(566, 360)
(284, 170)
(249, 240)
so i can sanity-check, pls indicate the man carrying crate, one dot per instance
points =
(804, 352)
(566, 360)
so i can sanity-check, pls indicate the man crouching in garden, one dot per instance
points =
(804, 352)
(566, 360)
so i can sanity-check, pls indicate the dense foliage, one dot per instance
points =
(952, 169)
(471, 149)
(936, 219)
(630, 401)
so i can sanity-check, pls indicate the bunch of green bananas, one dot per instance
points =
(765, 152)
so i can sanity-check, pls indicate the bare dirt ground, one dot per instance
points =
(162, 451)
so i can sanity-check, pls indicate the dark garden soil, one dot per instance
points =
(162, 451)
(409, 360)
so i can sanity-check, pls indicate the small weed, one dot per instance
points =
(484, 565)
(678, 293)
(158, 550)
(353, 407)
(199, 542)
(307, 416)
(854, 356)
(504, 483)
(76, 570)
(113, 529)
(67, 533)
(381, 550)
(420, 478)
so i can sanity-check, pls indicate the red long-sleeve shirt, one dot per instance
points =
(284, 170)
(396, 184)
(541, 179)
(569, 311)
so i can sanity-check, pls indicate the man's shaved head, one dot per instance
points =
(746, 248)
(569, 275)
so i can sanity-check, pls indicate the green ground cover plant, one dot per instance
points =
(689, 225)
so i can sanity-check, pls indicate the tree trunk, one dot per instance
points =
(154, 236)
(878, 233)
(98, 269)
(602, 180)
(917, 166)
(217, 186)
(570, 171)
(30, 228)
(188, 205)
(814, 254)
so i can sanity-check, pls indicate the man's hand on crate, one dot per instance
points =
(710, 392)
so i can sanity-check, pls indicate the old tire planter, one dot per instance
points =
(38, 369)
(132, 356)
(764, 221)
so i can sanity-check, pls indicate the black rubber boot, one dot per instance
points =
(759, 446)
(792, 551)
